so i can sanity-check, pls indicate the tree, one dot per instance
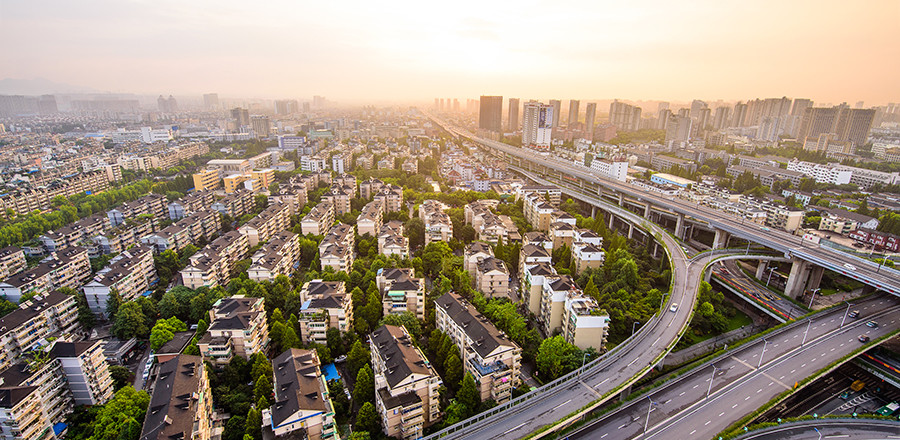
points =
(364, 389)
(164, 331)
(468, 395)
(121, 376)
(113, 302)
(415, 231)
(405, 319)
(254, 424)
(126, 405)
(130, 322)
(453, 368)
(552, 357)
(367, 418)
(334, 341)
(357, 357)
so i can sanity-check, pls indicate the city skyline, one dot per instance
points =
(829, 52)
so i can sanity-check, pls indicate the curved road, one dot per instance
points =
(850, 429)
(626, 365)
(728, 272)
(742, 382)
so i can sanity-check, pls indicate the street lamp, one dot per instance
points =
(845, 314)
(582, 360)
(632, 327)
(649, 408)
(814, 291)
(806, 332)
(771, 271)
(765, 343)
(817, 432)
(662, 301)
(708, 390)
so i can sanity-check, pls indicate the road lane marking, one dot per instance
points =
(561, 404)
(695, 386)
(747, 398)
(515, 428)
(682, 393)
(590, 389)
(601, 383)
(604, 435)
(623, 426)
(692, 432)
(734, 406)
(707, 422)
(722, 414)
(635, 360)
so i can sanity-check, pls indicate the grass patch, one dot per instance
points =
(737, 321)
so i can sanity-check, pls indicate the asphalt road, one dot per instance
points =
(731, 274)
(851, 429)
(681, 409)
(625, 366)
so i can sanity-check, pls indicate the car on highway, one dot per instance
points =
(674, 307)
(854, 314)
(872, 324)
(849, 266)
(764, 228)
(863, 338)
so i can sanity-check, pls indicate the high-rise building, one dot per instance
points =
(662, 119)
(590, 113)
(286, 106)
(437, 104)
(696, 106)
(625, 117)
(211, 101)
(261, 126)
(455, 105)
(703, 118)
(799, 106)
(557, 108)
(854, 125)
(513, 120)
(678, 131)
(573, 111)
(240, 118)
(722, 118)
(537, 124)
(167, 105)
(318, 101)
(660, 107)
(490, 113)
(740, 113)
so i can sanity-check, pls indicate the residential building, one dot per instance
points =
(368, 188)
(391, 240)
(206, 180)
(12, 261)
(492, 278)
(47, 382)
(539, 239)
(276, 217)
(835, 175)
(302, 400)
(86, 371)
(512, 123)
(616, 170)
(878, 240)
(212, 265)
(181, 402)
(533, 284)
(195, 201)
(130, 273)
(235, 205)
(23, 329)
(325, 304)
(490, 114)
(406, 384)
(336, 250)
(68, 267)
(318, 220)
(370, 218)
(22, 415)
(438, 226)
(339, 196)
(153, 204)
(487, 353)
(476, 252)
(401, 292)
(237, 327)
(584, 324)
(278, 256)
(844, 222)
(625, 117)
(537, 125)
(532, 254)
(391, 196)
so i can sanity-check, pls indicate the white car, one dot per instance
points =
(674, 307)
(849, 266)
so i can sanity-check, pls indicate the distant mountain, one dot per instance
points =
(38, 86)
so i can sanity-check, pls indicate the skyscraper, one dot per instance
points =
(513, 119)
(696, 106)
(662, 120)
(722, 118)
(455, 105)
(167, 105)
(211, 101)
(286, 106)
(678, 131)
(240, 118)
(537, 124)
(261, 126)
(740, 113)
(490, 113)
(854, 125)
(660, 107)
(557, 108)
(590, 113)
(573, 111)
(625, 117)
(799, 106)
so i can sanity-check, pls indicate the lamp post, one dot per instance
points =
(583, 357)
(806, 332)
(662, 301)
(765, 343)
(649, 408)
(817, 432)
(771, 270)
(845, 314)
(709, 390)
(814, 291)
(632, 327)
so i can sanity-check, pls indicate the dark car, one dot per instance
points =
(854, 314)
(863, 338)
(872, 324)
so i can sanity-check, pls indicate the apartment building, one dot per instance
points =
(206, 180)
(277, 257)
(293, 194)
(237, 327)
(235, 205)
(276, 217)
(878, 239)
(12, 261)
(130, 273)
(195, 201)
(336, 250)
(476, 252)
(392, 196)
(68, 267)
(318, 220)
(326, 304)
(406, 384)
(368, 188)
(120, 238)
(347, 181)
(553, 300)
(533, 284)
(492, 278)
(339, 196)
(46, 382)
(492, 228)
(302, 401)
(587, 250)
(197, 226)
(84, 366)
(476, 211)
(538, 211)
(438, 226)
(401, 292)
(532, 254)
(391, 240)
(22, 415)
(370, 218)
(25, 200)
(562, 234)
(22, 329)
(152, 204)
(538, 239)
(584, 324)
(844, 222)
(212, 265)
(181, 402)
(487, 353)
(835, 175)
(74, 233)
(551, 194)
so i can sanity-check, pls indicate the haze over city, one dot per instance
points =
(828, 51)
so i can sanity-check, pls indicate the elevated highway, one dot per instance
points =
(849, 429)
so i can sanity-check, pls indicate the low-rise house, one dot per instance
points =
(181, 402)
(130, 273)
(406, 385)
(237, 327)
(324, 305)
(487, 353)
(401, 291)
(302, 400)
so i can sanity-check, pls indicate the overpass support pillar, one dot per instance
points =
(630, 231)
(647, 211)
(679, 226)
(815, 277)
(721, 239)
(761, 269)
(707, 274)
(625, 393)
(621, 199)
(593, 211)
(796, 281)
(612, 219)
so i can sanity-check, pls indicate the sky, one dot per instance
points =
(828, 51)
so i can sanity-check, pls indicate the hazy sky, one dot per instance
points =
(830, 51)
